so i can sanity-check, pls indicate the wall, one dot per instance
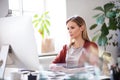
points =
(3, 8)
(84, 8)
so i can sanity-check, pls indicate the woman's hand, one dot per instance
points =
(55, 67)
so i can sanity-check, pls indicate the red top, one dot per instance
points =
(60, 58)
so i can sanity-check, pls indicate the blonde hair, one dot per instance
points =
(80, 22)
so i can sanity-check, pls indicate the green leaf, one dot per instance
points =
(100, 19)
(46, 29)
(36, 24)
(36, 16)
(40, 20)
(47, 22)
(111, 14)
(42, 16)
(99, 9)
(112, 24)
(104, 30)
(35, 21)
(42, 23)
(95, 37)
(102, 40)
(97, 15)
(45, 13)
(93, 26)
(115, 43)
(110, 37)
(108, 7)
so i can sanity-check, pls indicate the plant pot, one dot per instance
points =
(47, 45)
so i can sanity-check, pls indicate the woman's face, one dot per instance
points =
(74, 30)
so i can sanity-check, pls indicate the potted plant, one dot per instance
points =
(42, 24)
(106, 21)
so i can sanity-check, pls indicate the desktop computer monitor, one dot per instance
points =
(18, 32)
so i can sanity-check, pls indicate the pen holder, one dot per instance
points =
(32, 77)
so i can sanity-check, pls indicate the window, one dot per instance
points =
(26, 7)
(57, 9)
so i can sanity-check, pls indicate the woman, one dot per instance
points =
(80, 50)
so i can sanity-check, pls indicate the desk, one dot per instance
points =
(78, 76)
(83, 73)
(49, 75)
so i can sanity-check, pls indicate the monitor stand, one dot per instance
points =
(5, 49)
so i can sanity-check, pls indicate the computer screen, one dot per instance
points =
(18, 32)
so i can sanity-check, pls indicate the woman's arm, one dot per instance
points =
(60, 58)
(71, 70)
